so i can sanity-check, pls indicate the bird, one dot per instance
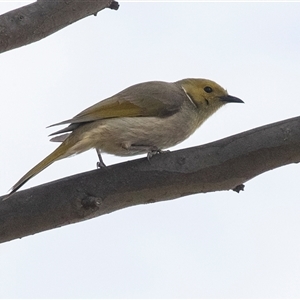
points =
(145, 118)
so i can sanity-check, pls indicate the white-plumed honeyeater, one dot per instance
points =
(144, 118)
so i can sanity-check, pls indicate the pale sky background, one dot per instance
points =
(212, 245)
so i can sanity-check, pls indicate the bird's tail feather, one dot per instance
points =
(57, 154)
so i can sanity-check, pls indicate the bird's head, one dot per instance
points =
(206, 95)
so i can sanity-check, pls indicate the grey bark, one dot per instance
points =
(222, 165)
(35, 21)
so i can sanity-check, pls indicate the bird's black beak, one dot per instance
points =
(231, 99)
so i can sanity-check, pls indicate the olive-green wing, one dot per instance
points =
(147, 99)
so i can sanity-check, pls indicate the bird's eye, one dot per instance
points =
(208, 89)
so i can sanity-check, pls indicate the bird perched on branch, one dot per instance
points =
(144, 118)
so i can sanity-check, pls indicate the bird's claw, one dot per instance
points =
(155, 152)
(100, 165)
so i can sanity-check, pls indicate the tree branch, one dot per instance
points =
(222, 165)
(35, 21)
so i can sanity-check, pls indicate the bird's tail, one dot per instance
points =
(58, 153)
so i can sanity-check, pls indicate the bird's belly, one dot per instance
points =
(127, 136)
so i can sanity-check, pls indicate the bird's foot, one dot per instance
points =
(155, 152)
(100, 165)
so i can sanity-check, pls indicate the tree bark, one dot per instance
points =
(222, 165)
(35, 21)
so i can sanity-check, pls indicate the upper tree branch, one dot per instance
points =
(35, 21)
(222, 165)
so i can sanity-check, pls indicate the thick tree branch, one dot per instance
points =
(35, 21)
(221, 165)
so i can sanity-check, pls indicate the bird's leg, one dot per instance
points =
(153, 152)
(100, 163)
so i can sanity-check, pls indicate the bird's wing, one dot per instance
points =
(159, 99)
